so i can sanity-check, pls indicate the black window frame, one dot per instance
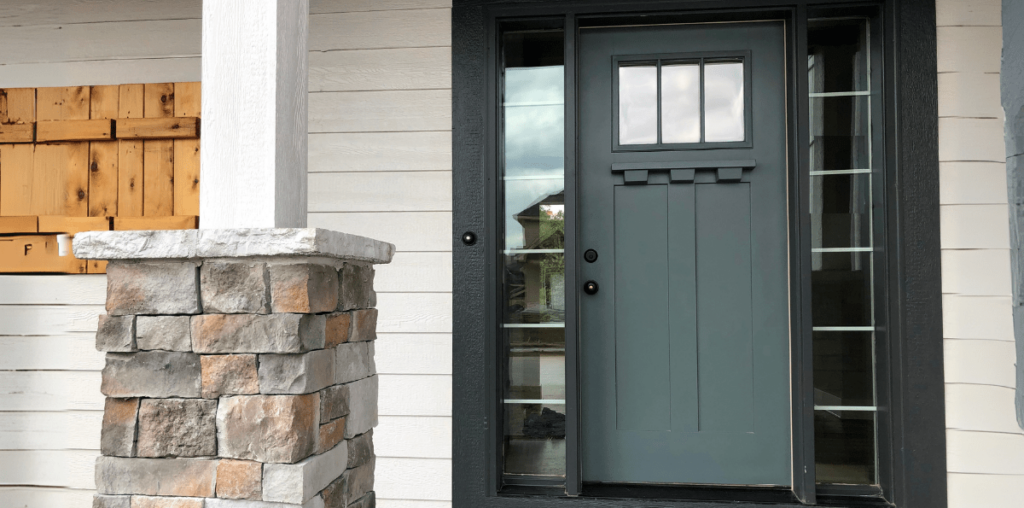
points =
(915, 474)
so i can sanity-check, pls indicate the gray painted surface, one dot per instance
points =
(1013, 106)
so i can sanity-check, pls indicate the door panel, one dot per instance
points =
(684, 350)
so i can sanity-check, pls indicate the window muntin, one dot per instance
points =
(843, 242)
(533, 254)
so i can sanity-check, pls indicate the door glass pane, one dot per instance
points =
(839, 133)
(723, 101)
(638, 105)
(840, 210)
(837, 56)
(680, 103)
(844, 446)
(533, 260)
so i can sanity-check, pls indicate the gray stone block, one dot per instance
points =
(296, 374)
(116, 333)
(315, 502)
(333, 402)
(298, 483)
(101, 501)
(156, 477)
(167, 333)
(362, 414)
(303, 288)
(151, 374)
(120, 423)
(170, 287)
(166, 502)
(367, 501)
(229, 375)
(357, 482)
(354, 362)
(246, 333)
(357, 287)
(235, 287)
(364, 325)
(360, 449)
(177, 428)
(268, 428)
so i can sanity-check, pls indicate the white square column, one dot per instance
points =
(255, 81)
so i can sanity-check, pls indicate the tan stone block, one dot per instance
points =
(303, 288)
(364, 325)
(240, 479)
(229, 375)
(166, 502)
(331, 434)
(248, 333)
(333, 402)
(268, 428)
(153, 288)
(120, 419)
(338, 326)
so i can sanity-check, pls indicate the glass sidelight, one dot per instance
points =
(533, 254)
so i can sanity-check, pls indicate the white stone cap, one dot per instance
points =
(230, 243)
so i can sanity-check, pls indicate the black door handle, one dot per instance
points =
(590, 287)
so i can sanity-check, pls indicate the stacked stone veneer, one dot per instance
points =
(239, 368)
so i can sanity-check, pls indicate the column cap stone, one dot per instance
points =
(231, 243)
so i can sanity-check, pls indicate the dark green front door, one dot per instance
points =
(683, 176)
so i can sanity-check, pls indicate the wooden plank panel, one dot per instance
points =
(188, 99)
(969, 49)
(53, 290)
(975, 490)
(975, 226)
(75, 130)
(979, 408)
(159, 100)
(380, 69)
(69, 430)
(987, 362)
(329, 6)
(977, 317)
(379, 30)
(129, 178)
(96, 267)
(17, 133)
(409, 231)
(414, 313)
(72, 225)
(424, 437)
(17, 105)
(984, 453)
(151, 223)
(416, 353)
(381, 192)
(51, 468)
(390, 111)
(63, 103)
(103, 102)
(976, 272)
(420, 479)
(971, 139)
(158, 178)
(50, 391)
(380, 151)
(131, 101)
(76, 185)
(101, 41)
(967, 183)
(108, 72)
(103, 179)
(186, 176)
(415, 272)
(38, 254)
(49, 319)
(45, 496)
(157, 128)
(60, 180)
(25, 224)
(17, 175)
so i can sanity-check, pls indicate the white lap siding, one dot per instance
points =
(985, 447)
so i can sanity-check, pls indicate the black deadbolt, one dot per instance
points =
(469, 238)
(590, 287)
(590, 256)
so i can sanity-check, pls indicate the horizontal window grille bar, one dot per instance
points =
(534, 251)
(528, 104)
(838, 94)
(842, 249)
(846, 408)
(533, 325)
(840, 172)
(536, 401)
(843, 328)
(534, 177)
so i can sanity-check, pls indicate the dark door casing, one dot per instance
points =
(685, 347)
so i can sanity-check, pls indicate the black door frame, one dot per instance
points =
(916, 472)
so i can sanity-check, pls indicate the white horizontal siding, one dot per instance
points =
(37, 497)
(50, 430)
(380, 151)
(985, 445)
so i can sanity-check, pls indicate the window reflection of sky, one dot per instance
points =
(638, 105)
(723, 101)
(680, 103)
(534, 141)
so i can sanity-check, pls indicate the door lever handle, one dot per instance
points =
(590, 287)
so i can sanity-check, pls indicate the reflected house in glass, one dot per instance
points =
(544, 230)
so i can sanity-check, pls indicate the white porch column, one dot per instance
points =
(255, 80)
